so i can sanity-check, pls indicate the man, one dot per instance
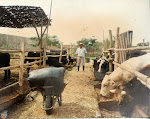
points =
(80, 55)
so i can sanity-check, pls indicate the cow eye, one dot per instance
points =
(105, 85)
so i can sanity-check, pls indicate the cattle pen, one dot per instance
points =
(122, 47)
(123, 44)
(23, 65)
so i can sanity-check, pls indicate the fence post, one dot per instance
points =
(110, 53)
(44, 54)
(67, 53)
(117, 47)
(22, 57)
(143, 43)
(60, 57)
(71, 49)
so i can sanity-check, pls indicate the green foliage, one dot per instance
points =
(141, 44)
(91, 43)
(50, 41)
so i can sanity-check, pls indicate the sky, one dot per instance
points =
(73, 20)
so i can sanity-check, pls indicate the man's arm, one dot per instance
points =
(85, 52)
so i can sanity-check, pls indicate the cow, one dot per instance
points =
(51, 61)
(101, 66)
(119, 78)
(5, 62)
(31, 54)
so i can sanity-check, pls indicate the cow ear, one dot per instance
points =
(113, 83)
(106, 76)
(120, 87)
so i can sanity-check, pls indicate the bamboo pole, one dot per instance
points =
(34, 50)
(61, 52)
(122, 53)
(10, 67)
(116, 47)
(34, 24)
(71, 49)
(143, 77)
(10, 51)
(120, 56)
(44, 54)
(143, 43)
(35, 62)
(67, 53)
(136, 48)
(110, 38)
(124, 46)
(106, 44)
(110, 52)
(22, 57)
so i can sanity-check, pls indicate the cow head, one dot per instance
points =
(107, 85)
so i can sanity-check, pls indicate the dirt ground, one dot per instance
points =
(79, 100)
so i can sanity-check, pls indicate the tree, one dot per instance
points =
(91, 44)
(141, 44)
(50, 41)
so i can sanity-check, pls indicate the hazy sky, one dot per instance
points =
(76, 19)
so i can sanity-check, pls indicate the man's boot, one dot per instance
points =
(83, 68)
(78, 68)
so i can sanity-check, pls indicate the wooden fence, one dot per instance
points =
(123, 44)
(40, 59)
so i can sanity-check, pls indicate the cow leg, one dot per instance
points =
(9, 73)
(28, 69)
(5, 77)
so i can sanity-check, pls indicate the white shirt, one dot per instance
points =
(81, 52)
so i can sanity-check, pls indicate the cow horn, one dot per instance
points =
(113, 91)
(123, 93)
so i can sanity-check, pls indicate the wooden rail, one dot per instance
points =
(143, 77)
(123, 44)
(40, 59)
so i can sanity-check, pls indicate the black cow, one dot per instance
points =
(52, 61)
(4, 62)
(99, 75)
(31, 54)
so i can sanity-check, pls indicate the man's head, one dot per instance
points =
(81, 45)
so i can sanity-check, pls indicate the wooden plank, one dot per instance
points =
(56, 49)
(117, 46)
(44, 54)
(106, 44)
(10, 51)
(110, 38)
(131, 49)
(61, 53)
(33, 50)
(122, 53)
(67, 53)
(143, 42)
(143, 115)
(71, 48)
(35, 62)
(22, 57)
(34, 24)
(140, 76)
(55, 55)
(10, 67)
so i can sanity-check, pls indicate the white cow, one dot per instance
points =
(118, 78)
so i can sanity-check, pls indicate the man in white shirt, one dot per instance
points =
(80, 55)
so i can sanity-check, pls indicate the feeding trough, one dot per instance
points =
(50, 82)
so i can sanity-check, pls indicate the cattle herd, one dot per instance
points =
(51, 61)
(125, 85)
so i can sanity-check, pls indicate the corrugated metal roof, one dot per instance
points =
(20, 17)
